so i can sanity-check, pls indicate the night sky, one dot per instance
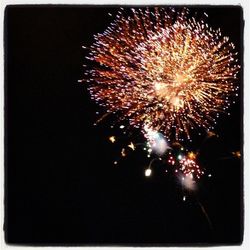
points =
(61, 186)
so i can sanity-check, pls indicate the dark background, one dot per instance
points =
(60, 184)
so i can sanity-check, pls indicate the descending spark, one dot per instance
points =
(191, 155)
(132, 146)
(206, 215)
(164, 70)
(148, 172)
(101, 118)
(237, 154)
(123, 153)
(112, 139)
(211, 134)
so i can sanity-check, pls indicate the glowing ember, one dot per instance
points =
(148, 172)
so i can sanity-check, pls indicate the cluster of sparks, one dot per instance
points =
(176, 159)
(162, 69)
(166, 74)
(189, 167)
(180, 161)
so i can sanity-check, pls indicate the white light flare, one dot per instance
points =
(156, 141)
(148, 172)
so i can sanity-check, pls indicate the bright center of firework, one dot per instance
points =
(180, 78)
(172, 92)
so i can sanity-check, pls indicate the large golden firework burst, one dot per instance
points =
(163, 69)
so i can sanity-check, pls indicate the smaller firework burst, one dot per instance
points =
(190, 168)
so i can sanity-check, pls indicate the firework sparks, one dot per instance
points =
(186, 168)
(237, 154)
(112, 139)
(132, 146)
(155, 141)
(164, 70)
(148, 172)
(165, 73)
(190, 168)
(123, 153)
(191, 155)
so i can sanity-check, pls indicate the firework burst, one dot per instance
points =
(163, 70)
